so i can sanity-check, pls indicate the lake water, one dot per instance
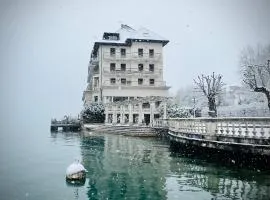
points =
(34, 161)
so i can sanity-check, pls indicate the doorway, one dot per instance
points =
(147, 119)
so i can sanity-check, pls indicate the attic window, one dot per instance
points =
(111, 36)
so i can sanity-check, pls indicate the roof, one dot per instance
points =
(127, 34)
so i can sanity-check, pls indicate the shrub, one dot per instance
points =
(93, 113)
(174, 111)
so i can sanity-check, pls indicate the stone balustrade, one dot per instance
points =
(255, 127)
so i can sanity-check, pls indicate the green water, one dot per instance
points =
(33, 165)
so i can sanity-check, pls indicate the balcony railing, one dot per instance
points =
(133, 72)
(132, 56)
(135, 84)
(94, 60)
(251, 127)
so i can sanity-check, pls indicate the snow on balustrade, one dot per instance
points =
(255, 127)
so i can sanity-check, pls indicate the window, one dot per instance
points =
(96, 98)
(96, 69)
(112, 51)
(112, 37)
(123, 52)
(112, 67)
(151, 52)
(123, 81)
(151, 67)
(96, 81)
(157, 104)
(113, 81)
(140, 67)
(152, 81)
(146, 105)
(140, 52)
(123, 67)
(140, 81)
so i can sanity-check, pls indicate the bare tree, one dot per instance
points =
(255, 69)
(211, 87)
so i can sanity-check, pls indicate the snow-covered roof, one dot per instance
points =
(128, 34)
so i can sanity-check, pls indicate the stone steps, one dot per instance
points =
(124, 130)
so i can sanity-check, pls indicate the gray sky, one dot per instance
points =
(46, 44)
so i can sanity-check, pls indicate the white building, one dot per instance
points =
(127, 65)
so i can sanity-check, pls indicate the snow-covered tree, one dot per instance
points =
(211, 87)
(93, 113)
(174, 111)
(255, 69)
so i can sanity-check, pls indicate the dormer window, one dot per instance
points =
(111, 36)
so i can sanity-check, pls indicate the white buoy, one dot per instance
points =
(76, 171)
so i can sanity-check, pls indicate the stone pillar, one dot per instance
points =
(122, 114)
(152, 109)
(211, 127)
(165, 110)
(114, 114)
(106, 115)
(140, 114)
(130, 118)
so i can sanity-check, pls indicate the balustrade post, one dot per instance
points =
(233, 129)
(210, 127)
(262, 131)
(246, 130)
(254, 130)
(227, 128)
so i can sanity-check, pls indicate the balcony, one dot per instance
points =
(94, 61)
(133, 72)
(131, 56)
(130, 83)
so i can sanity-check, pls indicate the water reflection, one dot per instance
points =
(148, 168)
(124, 168)
(222, 182)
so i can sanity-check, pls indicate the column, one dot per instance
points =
(114, 114)
(152, 109)
(140, 114)
(165, 110)
(106, 115)
(130, 118)
(122, 114)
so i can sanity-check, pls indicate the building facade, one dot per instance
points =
(127, 66)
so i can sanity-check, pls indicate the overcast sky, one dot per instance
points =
(46, 44)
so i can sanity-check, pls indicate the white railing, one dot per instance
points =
(134, 83)
(133, 72)
(132, 56)
(255, 127)
(94, 60)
